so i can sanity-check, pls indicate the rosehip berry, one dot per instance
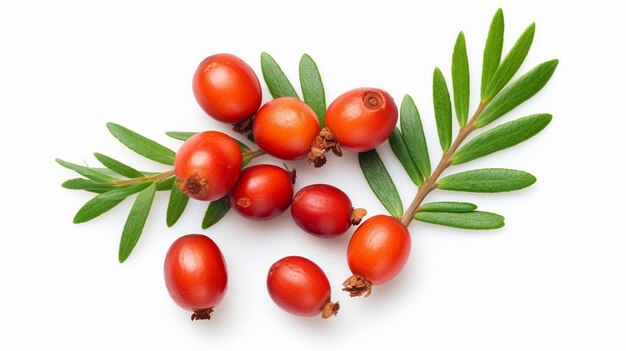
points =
(227, 88)
(262, 192)
(324, 211)
(299, 286)
(285, 127)
(195, 274)
(377, 251)
(207, 165)
(358, 120)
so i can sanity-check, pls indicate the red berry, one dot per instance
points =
(377, 251)
(285, 127)
(299, 286)
(195, 274)
(227, 88)
(324, 211)
(207, 165)
(262, 192)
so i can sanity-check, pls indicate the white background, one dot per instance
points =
(553, 278)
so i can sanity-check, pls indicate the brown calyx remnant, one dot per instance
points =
(243, 202)
(202, 314)
(330, 309)
(193, 185)
(244, 126)
(356, 285)
(292, 173)
(372, 100)
(357, 215)
(323, 142)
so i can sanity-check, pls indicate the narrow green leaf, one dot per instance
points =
(180, 135)
(165, 184)
(470, 220)
(277, 83)
(519, 91)
(381, 183)
(312, 87)
(176, 206)
(487, 180)
(396, 141)
(461, 80)
(443, 109)
(511, 63)
(86, 172)
(118, 167)
(87, 185)
(143, 146)
(493, 51)
(217, 210)
(413, 134)
(448, 206)
(501, 137)
(136, 221)
(106, 201)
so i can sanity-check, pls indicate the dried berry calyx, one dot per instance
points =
(357, 285)
(330, 309)
(322, 143)
(357, 215)
(202, 314)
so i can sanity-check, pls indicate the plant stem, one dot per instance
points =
(153, 178)
(430, 183)
(252, 154)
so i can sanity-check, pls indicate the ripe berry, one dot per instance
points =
(207, 165)
(377, 251)
(299, 286)
(227, 88)
(285, 127)
(262, 192)
(195, 274)
(324, 211)
(358, 120)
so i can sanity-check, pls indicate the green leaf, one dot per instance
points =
(180, 135)
(136, 221)
(143, 146)
(493, 51)
(276, 81)
(118, 167)
(87, 185)
(165, 184)
(86, 172)
(413, 134)
(217, 210)
(501, 137)
(519, 91)
(461, 80)
(312, 87)
(381, 183)
(448, 206)
(176, 206)
(396, 141)
(511, 63)
(488, 180)
(470, 220)
(443, 109)
(106, 201)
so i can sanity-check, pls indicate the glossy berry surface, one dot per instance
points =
(379, 248)
(285, 127)
(322, 210)
(262, 192)
(195, 274)
(207, 165)
(361, 119)
(227, 88)
(299, 286)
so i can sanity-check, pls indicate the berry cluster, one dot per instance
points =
(208, 166)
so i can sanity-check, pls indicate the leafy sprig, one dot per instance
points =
(498, 97)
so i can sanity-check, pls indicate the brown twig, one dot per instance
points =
(154, 178)
(430, 183)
